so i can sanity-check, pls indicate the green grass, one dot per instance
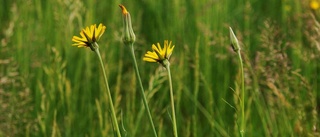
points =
(49, 88)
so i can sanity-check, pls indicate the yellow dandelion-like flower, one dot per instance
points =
(314, 4)
(89, 35)
(158, 54)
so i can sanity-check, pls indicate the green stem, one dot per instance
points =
(174, 122)
(113, 114)
(242, 95)
(142, 90)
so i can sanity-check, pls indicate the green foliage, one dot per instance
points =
(49, 88)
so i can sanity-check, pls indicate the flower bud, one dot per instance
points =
(128, 35)
(234, 41)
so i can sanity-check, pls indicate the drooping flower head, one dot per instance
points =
(159, 54)
(89, 35)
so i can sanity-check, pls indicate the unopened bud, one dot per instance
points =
(128, 35)
(234, 41)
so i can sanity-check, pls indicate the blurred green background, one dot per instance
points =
(49, 88)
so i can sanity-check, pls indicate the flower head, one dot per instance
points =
(158, 54)
(89, 35)
(128, 35)
(314, 4)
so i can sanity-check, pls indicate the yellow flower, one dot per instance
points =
(89, 35)
(314, 4)
(158, 54)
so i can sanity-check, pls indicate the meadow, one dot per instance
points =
(50, 88)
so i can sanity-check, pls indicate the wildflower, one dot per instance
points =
(128, 35)
(89, 35)
(162, 56)
(158, 54)
(314, 4)
(89, 38)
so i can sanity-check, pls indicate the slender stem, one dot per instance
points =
(174, 122)
(142, 90)
(108, 91)
(242, 130)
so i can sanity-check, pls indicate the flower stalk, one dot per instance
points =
(174, 121)
(236, 47)
(129, 39)
(162, 56)
(89, 38)
(113, 114)
(144, 99)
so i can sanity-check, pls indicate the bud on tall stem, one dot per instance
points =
(234, 41)
(128, 35)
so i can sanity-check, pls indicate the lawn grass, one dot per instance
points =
(49, 88)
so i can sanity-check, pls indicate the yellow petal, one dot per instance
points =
(92, 28)
(149, 59)
(88, 33)
(159, 48)
(153, 55)
(80, 44)
(82, 34)
(78, 39)
(100, 30)
(165, 48)
(155, 49)
(170, 51)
